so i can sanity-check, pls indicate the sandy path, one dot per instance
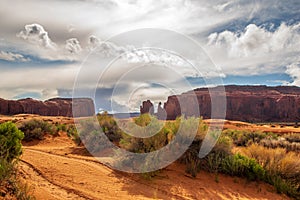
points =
(83, 178)
(55, 175)
(42, 187)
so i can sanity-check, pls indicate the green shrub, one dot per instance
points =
(153, 143)
(10, 150)
(61, 127)
(242, 166)
(143, 120)
(36, 129)
(91, 137)
(212, 162)
(6, 170)
(73, 134)
(109, 127)
(283, 186)
(10, 141)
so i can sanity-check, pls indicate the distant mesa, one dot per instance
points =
(52, 107)
(244, 103)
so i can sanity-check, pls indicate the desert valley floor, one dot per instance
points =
(55, 168)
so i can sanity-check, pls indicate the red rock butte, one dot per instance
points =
(52, 107)
(243, 103)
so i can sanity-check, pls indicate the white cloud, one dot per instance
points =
(107, 18)
(36, 34)
(73, 46)
(49, 93)
(293, 71)
(38, 43)
(254, 48)
(255, 41)
(145, 55)
(93, 42)
(14, 57)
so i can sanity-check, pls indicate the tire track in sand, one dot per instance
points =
(40, 184)
(89, 179)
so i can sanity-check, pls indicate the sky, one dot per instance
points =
(60, 48)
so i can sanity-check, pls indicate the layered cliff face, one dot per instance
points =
(51, 107)
(243, 103)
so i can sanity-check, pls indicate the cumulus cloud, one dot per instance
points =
(36, 34)
(93, 42)
(73, 46)
(293, 71)
(257, 40)
(14, 57)
(255, 49)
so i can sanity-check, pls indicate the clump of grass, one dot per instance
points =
(279, 164)
(277, 161)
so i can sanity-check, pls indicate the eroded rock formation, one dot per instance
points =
(147, 107)
(243, 103)
(51, 107)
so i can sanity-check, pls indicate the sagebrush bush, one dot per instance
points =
(292, 137)
(153, 143)
(10, 141)
(10, 150)
(61, 127)
(242, 166)
(246, 138)
(73, 134)
(289, 145)
(109, 127)
(88, 134)
(212, 162)
(36, 129)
